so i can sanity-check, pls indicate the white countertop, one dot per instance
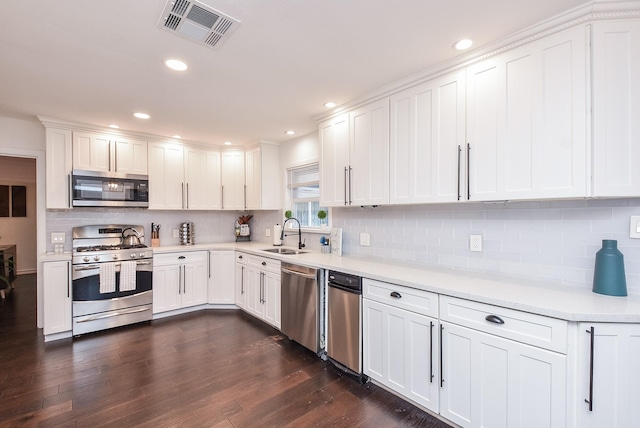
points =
(558, 301)
(544, 298)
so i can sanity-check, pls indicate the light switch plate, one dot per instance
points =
(57, 238)
(634, 227)
(176, 233)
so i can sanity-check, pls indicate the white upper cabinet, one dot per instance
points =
(263, 181)
(427, 141)
(334, 161)
(105, 153)
(369, 154)
(616, 108)
(354, 166)
(58, 168)
(526, 121)
(183, 177)
(202, 179)
(233, 196)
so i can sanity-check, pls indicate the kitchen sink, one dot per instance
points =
(286, 251)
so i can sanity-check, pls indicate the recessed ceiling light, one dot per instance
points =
(290, 132)
(114, 126)
(463, 44)
(175, 64)
(227, 143)
(330, 104)
(176, 137)
(141, 115)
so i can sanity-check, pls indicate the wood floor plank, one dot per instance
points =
(215, 368)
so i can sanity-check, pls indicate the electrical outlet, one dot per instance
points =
(475, 242)
(634, 227)
(267, 232)
(176, 233)
(57, 238)
(365, 239)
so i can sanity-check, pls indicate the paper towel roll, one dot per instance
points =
(277, 230)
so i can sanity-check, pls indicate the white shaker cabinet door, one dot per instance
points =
(166, 176)
(58, 168)
(57, 296)
(609, 376)
(92, 152)
(369, 154)
(202, 179)
(427, 139)
(130, 156)
(233, 190)
(194, 284)
(488, 381)
(271, 299)
(616, 108)
(526, 120)
(166, 288)
(222, 276)
(334, 161)
(400, 350)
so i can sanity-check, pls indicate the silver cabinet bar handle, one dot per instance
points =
(459, 155)
(589, 400)
(346, 181)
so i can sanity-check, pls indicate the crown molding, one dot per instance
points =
(597, 10)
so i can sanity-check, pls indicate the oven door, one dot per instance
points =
(88, 299)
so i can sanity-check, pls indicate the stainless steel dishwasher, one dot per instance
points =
(300, 294)
(344, 321)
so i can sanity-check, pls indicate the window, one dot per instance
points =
(304, 195)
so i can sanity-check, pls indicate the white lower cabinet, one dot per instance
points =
(489, 381)
(608, 375)
(221, 277)
(258, 290)
(57, 297)
(179, 280)
(401, 352)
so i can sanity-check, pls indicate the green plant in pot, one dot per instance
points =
(288, 214)
(322, 215)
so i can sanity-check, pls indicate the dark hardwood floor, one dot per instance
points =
(205, 369)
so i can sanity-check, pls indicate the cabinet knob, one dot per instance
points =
(395, 294)
(264, 263)
(181, 257)
(239, 257)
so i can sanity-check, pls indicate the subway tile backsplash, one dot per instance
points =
(549, 241)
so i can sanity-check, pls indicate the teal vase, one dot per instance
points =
(608, 276)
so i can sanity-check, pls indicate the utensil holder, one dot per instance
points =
(155, 242)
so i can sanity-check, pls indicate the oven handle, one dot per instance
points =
(113, 314)
(91, 267)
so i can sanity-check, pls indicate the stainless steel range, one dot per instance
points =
(111, 278)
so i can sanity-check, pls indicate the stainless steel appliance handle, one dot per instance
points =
(113, 314)
(91, 267)
(301, 274)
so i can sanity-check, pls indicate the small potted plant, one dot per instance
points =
(322, 214)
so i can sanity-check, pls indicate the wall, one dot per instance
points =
(21, 134)
(21, 230)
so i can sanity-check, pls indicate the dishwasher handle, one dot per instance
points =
(296, 273)
(344, 288)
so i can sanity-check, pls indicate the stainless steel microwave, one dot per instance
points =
(108, 189)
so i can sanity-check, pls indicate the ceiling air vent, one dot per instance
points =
(198, 22)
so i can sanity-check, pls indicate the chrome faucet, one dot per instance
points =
(282, 234)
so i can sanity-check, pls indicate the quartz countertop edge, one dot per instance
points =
(571, 303)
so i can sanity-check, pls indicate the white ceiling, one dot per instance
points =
(97, 62)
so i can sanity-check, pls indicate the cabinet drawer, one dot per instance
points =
(421, 302)
(263, 263)
(180, 258)
(535, 330)
(242, 258)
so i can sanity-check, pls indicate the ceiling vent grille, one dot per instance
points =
(198, 22)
